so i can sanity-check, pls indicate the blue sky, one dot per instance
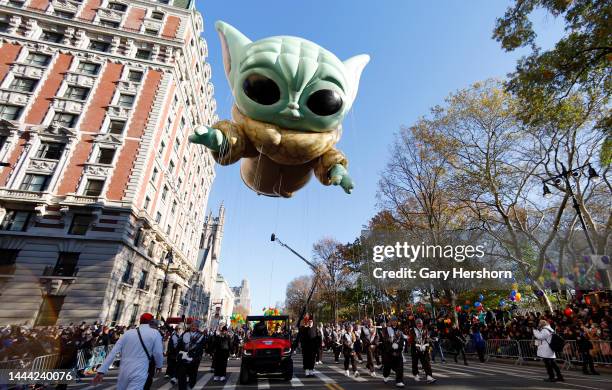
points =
(421, 51)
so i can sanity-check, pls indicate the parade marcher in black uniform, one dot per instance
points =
(308, 341)
(348, 350)
(190, 350)
(336, 343)
(68, 354)
(223, 344)
(172, 355)
(320, 343)
(458, 343)
(393, 344)
(369, 341)
(419, 350)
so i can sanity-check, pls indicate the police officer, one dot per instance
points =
(190, 351)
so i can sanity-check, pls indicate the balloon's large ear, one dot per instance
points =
(354, 67)
(232, 43)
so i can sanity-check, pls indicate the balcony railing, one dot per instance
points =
(22, 195)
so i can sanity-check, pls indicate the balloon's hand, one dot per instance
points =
(213, 139)
(339, 176)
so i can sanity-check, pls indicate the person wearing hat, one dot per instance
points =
(348, 350)
(543, 335)
(223, 344)
(141, 353)
(393, 345)
(172, 354)
(189, 350)
(307, 337)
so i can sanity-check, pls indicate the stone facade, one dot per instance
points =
(243, 295)
(98, 182)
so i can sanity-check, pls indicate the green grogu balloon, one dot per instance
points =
(291, 96)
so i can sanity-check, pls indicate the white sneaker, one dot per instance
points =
(399, 384)
(430, 379)
(416, 378)
(386, 379)
(166, 376)
(356, 374)
(173, 380)
(307, 372)
(373, 374)
(216, 378)
(347, 373)
(222, 378)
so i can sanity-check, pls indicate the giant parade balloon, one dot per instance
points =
(290, 97)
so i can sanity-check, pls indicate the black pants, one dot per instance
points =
(481, 354)
(423, 357)
(187, 373)
(395, 363)
(171, 369)
(587, 363)
(319, 356)
(552, 368)
(349, 359)
(220, 358)
(337, 350)
(460, 350)
(308, 354)
(370, 356)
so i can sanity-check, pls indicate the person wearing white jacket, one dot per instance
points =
(543, 335)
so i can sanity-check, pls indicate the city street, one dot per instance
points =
(491, 375)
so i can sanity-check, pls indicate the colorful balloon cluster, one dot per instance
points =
(515, 296)
(237, 319)
(272, 311)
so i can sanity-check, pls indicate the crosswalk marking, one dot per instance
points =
(166, 386)
(296, 382)
(263, 384)
(323, 377)
(231, 382)
(204, 380)
(340, 371)
(454, 372)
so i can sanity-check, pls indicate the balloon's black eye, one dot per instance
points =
(261, 89)
(325, 102)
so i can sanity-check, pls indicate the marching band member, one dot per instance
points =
(172, 354)
(336, 337)
(348, 350)
(320, 343)
(190, 351)
(393, 344)
(223, 344)
(419, 349)
(307, 337)
(369, 340)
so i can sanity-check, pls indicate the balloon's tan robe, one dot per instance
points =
(276, 161)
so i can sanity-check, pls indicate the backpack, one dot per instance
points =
(556, 343)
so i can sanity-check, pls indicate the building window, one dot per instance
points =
(109, 23)
(99, 46)
(134, 314)
(80, 224)
(93, 187)
(162, 146)
(118, 311)
(173, 210)
(23, 84)
(35, 182)
(38, 59)
(116, 127)
(127, 273)
(51, 36)
(15, 221)
(65, 119)
(157, 15)
(88, 68)
(177, 144)
(151, 31)
(4, 26)
(126, 100)
(154, 175)
(2, 141)
(171, 166)
(164, 193)
(135, 76)
(66, 264)
(117, 7)
(76, 93)
(158, 217)
(106, 156)
(143, 54)
(50, 150)
(8, 259)
(16, 3)
(168, 229)
(147, 202)
(10, 113)
(63, 14)
(142, 283)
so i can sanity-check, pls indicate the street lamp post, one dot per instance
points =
(564, 177)
(273, 238)
(169, 258)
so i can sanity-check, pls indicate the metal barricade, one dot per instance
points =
(601, 353)
(45, 362)
(92, 360)
(499, 348)
(528, 350)
(16, 364)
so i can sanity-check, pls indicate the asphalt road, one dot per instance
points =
(329, 376)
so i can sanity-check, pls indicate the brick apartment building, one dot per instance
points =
(98, 182)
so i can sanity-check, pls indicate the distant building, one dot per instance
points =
(222, 300)
(243, 295)
(202, 282)
(98, 182)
